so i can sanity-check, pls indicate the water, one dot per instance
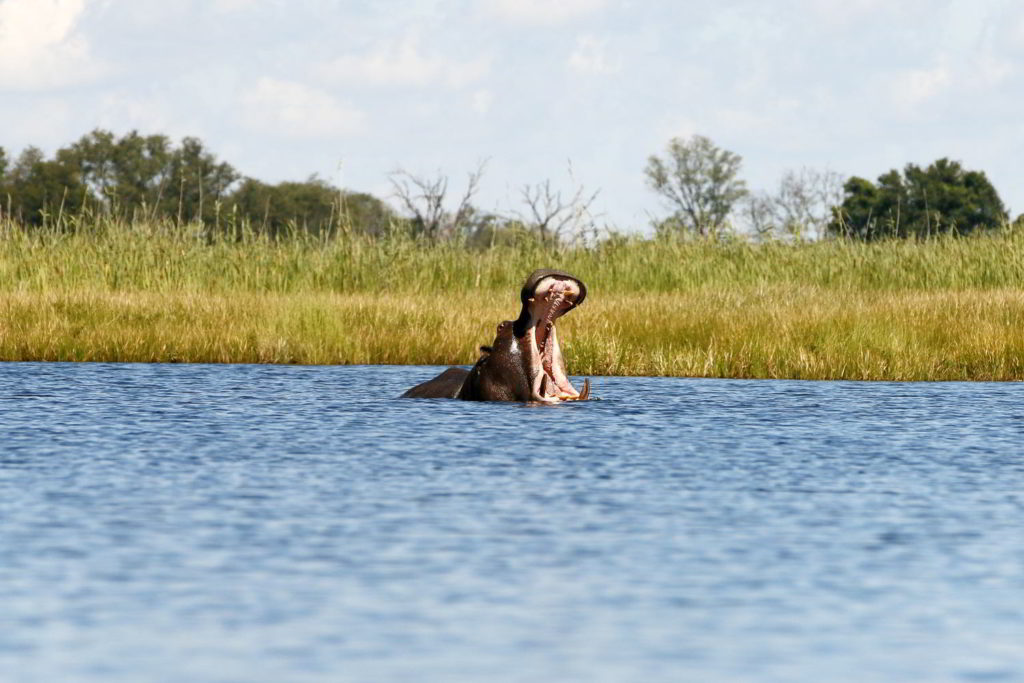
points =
(255, 523)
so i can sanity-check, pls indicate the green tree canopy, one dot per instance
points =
(36, 187)
(942, 198)
(149, 177)
(313, 206)
(699, 181)
(198, 181)
(125, 175)
(134, 175)
(367, 214)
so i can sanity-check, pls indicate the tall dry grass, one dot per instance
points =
(948, 308)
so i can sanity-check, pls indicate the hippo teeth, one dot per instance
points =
(544, 349)
(555, 301)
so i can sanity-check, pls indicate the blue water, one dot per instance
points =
(260, 523)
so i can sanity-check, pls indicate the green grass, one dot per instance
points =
(949, 308)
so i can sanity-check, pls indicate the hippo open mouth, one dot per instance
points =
(547, 295)
(524, 363)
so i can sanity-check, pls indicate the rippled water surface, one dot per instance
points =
(255, 523)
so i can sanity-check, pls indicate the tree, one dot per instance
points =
(551, 216)
(142, 173)
(367, 214)
(40, 189)
(425, 198)
(699, 181)
(490, 230)
(758, 211)
(129, 174)
(942, 198)
(197, 182)
(313, 206)
(800, 207)
(93, 156)
(148, 176)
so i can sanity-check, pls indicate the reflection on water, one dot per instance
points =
(254, 523)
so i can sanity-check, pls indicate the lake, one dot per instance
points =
(273, 523)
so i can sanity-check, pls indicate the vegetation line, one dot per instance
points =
(945, 308)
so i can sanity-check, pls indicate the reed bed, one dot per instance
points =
(944, 309)
(801, 332)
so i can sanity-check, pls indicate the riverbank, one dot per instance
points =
(949, 309)
(797, 333)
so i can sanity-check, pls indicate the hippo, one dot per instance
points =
(525, 361)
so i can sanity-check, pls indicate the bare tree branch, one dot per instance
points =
(803, 204)
(550, 215)
(465, 208)
(424, 199)
(758, 209)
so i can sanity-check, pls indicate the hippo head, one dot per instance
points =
(524, 363)
(546, 296)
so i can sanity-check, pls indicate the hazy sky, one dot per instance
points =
(352, 90)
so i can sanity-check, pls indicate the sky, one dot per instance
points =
(575, 92)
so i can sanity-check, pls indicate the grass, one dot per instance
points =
(945, 309)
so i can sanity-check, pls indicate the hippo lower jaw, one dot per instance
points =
(545, 368)
(552, 296)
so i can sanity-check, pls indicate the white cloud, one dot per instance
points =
(681, 128)
(38, 46)
(1007, 30)
(739, 120)
(403, 62)
(147, 113)
(1018, 31)
(228, 6)
(295, 110)
(543, 12)
(912, 87)
(49, 124)
(838, 12)
(481, 101)
(590, 56)
(988, 71)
